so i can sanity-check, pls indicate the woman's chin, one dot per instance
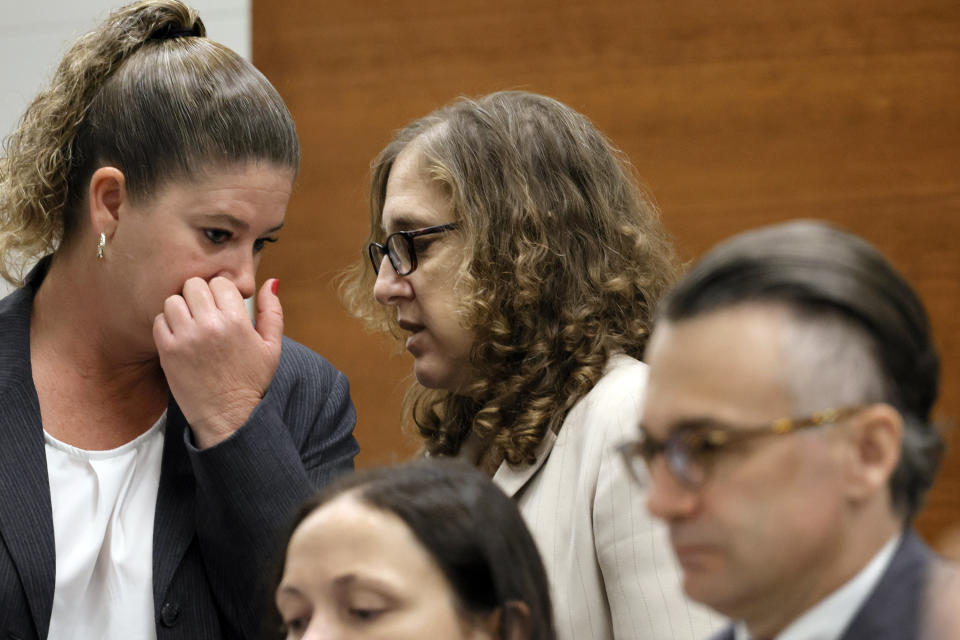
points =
(442, 378)
(428, 377)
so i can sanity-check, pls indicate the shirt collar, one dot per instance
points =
(828, 619)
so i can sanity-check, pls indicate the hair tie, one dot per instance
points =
(172, 31)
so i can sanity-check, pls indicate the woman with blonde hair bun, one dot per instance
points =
(513, 254)
(153, 441)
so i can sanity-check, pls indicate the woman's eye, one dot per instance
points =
(420, 245)
(295, 627)
(217, 236)
(364, 614)
(260, 243)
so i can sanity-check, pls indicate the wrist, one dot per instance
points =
(214, 428)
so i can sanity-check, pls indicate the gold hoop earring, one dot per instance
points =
(100, 245)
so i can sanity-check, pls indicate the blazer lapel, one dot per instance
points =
(26, 515)
(512, 479)
(174, 525)
(893, 610)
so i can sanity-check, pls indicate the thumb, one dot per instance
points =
(269, 312)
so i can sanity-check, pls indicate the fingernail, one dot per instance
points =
(275, 286)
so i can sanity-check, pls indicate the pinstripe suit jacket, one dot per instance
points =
(894, 610)
(612, 571)
(219, 511)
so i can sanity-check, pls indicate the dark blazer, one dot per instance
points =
(893, 610)
(220, 511)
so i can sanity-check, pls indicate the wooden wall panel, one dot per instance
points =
(735, 114)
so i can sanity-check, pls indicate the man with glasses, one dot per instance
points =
(786, 437)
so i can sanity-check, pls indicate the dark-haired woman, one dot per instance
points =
(428, 550)
(151, 437)
(512, 251)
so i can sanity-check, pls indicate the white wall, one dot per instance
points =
(34, 35)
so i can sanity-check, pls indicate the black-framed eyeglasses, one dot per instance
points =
(691, 450)
(399, 247)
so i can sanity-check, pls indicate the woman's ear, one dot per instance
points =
(108, 191)
(510, 622)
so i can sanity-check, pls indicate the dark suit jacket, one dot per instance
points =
(893, 611)
(219, 512)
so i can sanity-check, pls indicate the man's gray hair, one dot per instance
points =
(858, 331)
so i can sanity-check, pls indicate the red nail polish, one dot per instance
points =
(275, 286)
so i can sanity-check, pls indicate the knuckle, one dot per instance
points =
(211, 325)
(220, 283)
(171, 303)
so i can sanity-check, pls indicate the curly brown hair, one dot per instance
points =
(565, 259)
(145, 92)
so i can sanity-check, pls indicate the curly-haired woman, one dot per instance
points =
(152, 440)
(512, 250)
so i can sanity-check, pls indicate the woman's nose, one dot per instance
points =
(389, 288)
(243, 274)
(322, 629)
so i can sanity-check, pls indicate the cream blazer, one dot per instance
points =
(612, 572)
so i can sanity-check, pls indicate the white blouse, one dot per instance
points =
(103, 508)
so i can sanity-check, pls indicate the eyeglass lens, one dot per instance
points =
(684, 460)
(684, 453)
(398, 248)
